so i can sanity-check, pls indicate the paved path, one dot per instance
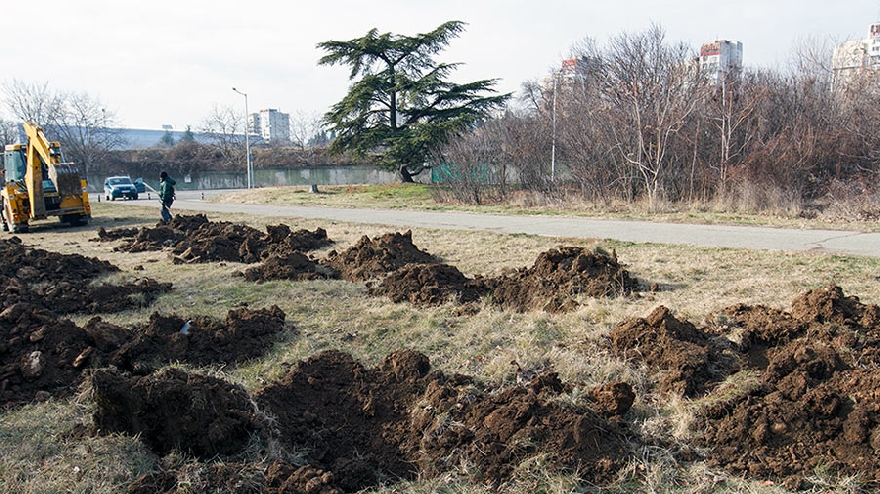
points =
(833, 241)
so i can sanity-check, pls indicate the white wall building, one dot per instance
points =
(853, 58)
(721, 60)
(270, 124)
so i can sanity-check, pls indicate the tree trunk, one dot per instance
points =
(404, 174)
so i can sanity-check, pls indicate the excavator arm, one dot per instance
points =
(39, 151)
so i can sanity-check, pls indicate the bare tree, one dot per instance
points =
(36, 102)
(8, 132)
(225, 131)
(474, 164)
(732, 104)
(650, 83)
(79, 121)
(304, 127)
(621, 114)
(86, 128)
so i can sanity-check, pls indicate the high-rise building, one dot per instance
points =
(270, 124)
(721, 60)
(855, 58)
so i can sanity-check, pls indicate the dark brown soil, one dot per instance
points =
(175, 410)
(245, 334)
(558, 276)
(63, 283)
(371, 259)
(291, 265)
(818, 403)
(551, 284)
(686, 358)
(360, 426)
(194, 239)
(42, 356)
(430, 284)
(401, 419)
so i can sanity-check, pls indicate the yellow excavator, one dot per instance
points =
(37, 184)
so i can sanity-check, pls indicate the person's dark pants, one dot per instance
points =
(166, 212)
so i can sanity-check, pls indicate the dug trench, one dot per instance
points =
(814, 401)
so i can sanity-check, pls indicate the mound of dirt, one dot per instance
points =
(372, 259)
(196, 239)
(114, 235)
(244, 335)
(550, 284)
(684, 356)
(173, 409)
(289, 266)
(42, 356)
(557, 276)
(401, 420)
(429, 284)
(817, 404)
(63, 283)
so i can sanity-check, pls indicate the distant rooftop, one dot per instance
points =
(149, 138)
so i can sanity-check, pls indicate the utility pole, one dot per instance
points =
(247, 138)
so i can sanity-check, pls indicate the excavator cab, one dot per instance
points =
(15, 166)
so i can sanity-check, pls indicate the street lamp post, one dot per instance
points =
(553, 147)
(247, 148)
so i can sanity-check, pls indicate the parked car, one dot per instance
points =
(116, 187)
(139, 185)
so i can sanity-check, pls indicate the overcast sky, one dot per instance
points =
(171, 62)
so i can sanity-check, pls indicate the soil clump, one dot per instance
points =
(817, 404)
(65, 283)
(429, 285)
(685, 357)
(196, 239)
(244, 335)
(558, 276)
(808, 397)
(371, 259)
(290, 265)
(551, 284)
(360, 426)
(175, 410)
(42, 356)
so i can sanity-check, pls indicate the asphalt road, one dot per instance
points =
(748, 237)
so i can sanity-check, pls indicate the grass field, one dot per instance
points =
(40, 451)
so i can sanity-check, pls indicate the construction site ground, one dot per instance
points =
(811, 399)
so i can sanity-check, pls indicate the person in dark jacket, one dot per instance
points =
(166, 195)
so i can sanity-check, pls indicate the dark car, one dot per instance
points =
(139, 185)
(119, 187)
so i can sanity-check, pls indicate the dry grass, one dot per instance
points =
(37, 454)
(840, 213)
